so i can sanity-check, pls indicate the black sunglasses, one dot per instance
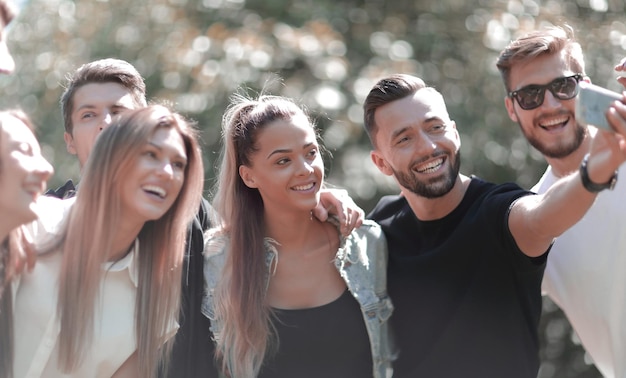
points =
(531, 96)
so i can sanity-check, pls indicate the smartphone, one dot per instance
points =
(591, 104)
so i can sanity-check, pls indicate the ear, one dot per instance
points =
(69, 143)
(510, 108)
(247, 176)
(381, 163)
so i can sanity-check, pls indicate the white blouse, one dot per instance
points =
(37, 327)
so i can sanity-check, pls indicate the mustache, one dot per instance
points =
(434, 155)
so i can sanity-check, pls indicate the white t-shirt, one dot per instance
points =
(37, 327)
(586, 276)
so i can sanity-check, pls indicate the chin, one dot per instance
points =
(156, 215)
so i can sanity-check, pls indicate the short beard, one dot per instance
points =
(562, 150)
(434, 188)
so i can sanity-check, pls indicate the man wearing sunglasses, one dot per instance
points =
(585, 273)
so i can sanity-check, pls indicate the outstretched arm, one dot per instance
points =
(535, 221)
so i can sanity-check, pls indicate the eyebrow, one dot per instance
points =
(286, 150)
(433, 119)
(91, 106)
(399, 132)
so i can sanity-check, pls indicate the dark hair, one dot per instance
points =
(548, 41)
(387, 90)
(102, 71)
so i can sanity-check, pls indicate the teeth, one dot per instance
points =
(554, 121)
(155, 189)
(304, 187)
(431, 167)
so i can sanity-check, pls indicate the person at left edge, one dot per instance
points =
(23, 176)
(21, 146)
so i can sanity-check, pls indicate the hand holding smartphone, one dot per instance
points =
(591, 104)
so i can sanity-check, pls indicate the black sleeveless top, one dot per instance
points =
(329, 341)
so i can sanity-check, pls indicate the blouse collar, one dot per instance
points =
(126, 262)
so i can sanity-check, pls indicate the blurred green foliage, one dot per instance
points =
(327, 55)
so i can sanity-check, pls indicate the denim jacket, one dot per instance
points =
(362, 263)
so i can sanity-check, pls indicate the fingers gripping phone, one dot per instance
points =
(591, 104)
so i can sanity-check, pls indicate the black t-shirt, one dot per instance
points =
(193, 350)
(467, 300)
(67, 190)
(328, 341)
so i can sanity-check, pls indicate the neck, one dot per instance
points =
(124, 239)
(290, 229)
(436, 208)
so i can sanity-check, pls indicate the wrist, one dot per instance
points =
(591, 186)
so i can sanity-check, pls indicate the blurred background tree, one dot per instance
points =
(327, 55)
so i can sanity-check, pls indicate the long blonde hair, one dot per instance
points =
(241, 307)
(92, 225)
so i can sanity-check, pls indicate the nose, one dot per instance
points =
(43, 169)
(549, 101)
(425, 144)
(166, 169)
(106, 121)
(305, 169)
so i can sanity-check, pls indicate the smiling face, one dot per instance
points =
(551, 128)
(287, 167)
(94, 107)
(154, 181)
(23, 175)
(418, 144)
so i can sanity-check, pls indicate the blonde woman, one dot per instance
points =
(287, 294)
(23, 176)
(104, 301)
